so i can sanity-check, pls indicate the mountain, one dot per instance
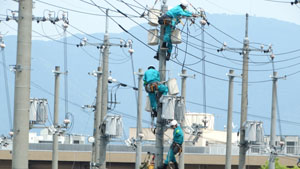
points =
(81, 86)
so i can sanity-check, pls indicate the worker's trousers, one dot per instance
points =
(167, 37)
(170, 156)
(152, 96)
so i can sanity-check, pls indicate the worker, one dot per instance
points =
(170, 20)
(176, 146)
(152, 86)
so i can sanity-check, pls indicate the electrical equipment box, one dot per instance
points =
(113, 126)
(168, 106)
(153, 17)
(38, 111)
(254, 132)
(179, 109)
(173, 87)
(153, 37)
(176, 36)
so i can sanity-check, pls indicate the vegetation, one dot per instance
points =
(277, 165)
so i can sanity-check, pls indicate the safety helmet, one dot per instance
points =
(151, 67)
(173, 123)
(184, 3)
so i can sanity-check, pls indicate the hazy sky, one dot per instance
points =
(94, 24)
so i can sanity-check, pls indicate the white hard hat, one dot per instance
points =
(173, 123)
(184, 3)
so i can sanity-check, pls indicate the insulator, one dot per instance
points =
(65, 25)
(130, 50)
(2, 45)
(67, 121)
(11, 133)
(203, 22)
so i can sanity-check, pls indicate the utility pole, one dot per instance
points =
(139, 121)
(244, 104)
(22, 87)
(182, 122)
(103, 138)
(159, 143)
(55, 120)
(273, 122)
(97, 120)
(229, 120)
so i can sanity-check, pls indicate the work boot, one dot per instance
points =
(164, 46)
(175, 165)
(168, 56)
(156, 56)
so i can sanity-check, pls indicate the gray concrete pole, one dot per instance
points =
(22, 87)
(159, 142)
(97, 119)
(244, 102)
(139, 121)
(229, 120)
(103, 138)
(55, 120)
(273, 122)
(182, 122)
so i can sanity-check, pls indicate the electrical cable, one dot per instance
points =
(250, 115)
(9, 112)
(196, 48)
(77, 11)
(261, 81)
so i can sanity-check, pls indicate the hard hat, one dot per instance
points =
(184, 3)
(173, 123)
(151, 67)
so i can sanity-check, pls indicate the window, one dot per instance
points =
(290, 147)
(76, 142)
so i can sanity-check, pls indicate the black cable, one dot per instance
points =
(9, 112)
(249, 114)
(77, 11)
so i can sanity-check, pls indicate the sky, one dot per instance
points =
(94, 24)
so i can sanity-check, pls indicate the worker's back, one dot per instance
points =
(151, 76)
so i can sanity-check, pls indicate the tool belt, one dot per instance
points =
(164, 20)
(151, 87)
(177, 148)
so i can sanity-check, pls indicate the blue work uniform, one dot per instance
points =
(174, 14)
(152, 76)
(177, 138)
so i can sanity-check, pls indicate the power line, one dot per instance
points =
(77, 11)
(251, 115)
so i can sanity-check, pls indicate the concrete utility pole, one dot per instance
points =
(182, 123)
(55, 120)
(229, 120)
(22, 87)
(97, 120)
(103, 138)
(273, 122)
(139, 121)
(244, 104)
(159, 142)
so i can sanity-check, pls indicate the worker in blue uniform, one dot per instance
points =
(152, 86)
(176, 146)
(170, 20)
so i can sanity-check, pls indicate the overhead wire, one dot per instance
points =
(9, 112)
(258, 81)
(77, 11)
(200, 49)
